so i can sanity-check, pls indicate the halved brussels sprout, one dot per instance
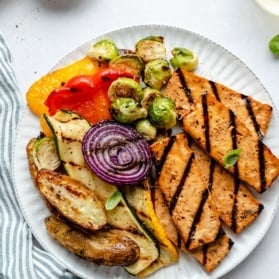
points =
(162, 113)
(149, 94)
(131, 63)
(150, 48)
(146, 129)
(103, 51)
(157, 73)
(45, 154)
(184, 59)
(125, 87)
(126, 110)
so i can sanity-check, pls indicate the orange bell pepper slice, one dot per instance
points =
(40, 90)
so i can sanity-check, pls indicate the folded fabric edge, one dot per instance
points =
(19, 258)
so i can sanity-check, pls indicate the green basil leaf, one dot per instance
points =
(113, 200)
(274, 45)
(231, 157)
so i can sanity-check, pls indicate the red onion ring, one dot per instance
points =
(117, 153)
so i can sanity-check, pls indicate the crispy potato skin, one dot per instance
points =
(109, 248)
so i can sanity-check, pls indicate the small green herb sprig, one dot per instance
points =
(274, 45)
(113, 200)
(231, 157)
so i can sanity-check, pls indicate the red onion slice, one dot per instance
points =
(116, 153)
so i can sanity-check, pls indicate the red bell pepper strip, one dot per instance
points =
(86, 95)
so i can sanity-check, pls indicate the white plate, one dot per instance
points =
(217, 64)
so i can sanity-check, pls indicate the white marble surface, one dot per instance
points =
(41, 32)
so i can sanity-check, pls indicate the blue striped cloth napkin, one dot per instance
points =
(20, 257)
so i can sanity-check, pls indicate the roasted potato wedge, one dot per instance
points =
(103, 247)
(72, 199)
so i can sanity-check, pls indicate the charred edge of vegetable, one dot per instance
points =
(139, 221)
(60, 168)
(129, 62)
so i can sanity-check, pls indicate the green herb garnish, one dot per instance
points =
(231, 157)
(274, 45)
(113, 200)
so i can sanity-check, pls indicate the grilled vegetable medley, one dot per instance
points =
(140, 159)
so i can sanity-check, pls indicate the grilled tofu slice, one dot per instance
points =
(236, 205)
(217, 130)
(102, 247)
(254, 114)
(72, 199)
(210, 255)
(189, 201)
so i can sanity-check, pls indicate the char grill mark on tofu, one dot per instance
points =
(161, 158)
(184, 86)
(206, 123)
(213, 126)
(180, 188)
(235, 174)
(256, 125)
(214, 89)
(189, 201)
